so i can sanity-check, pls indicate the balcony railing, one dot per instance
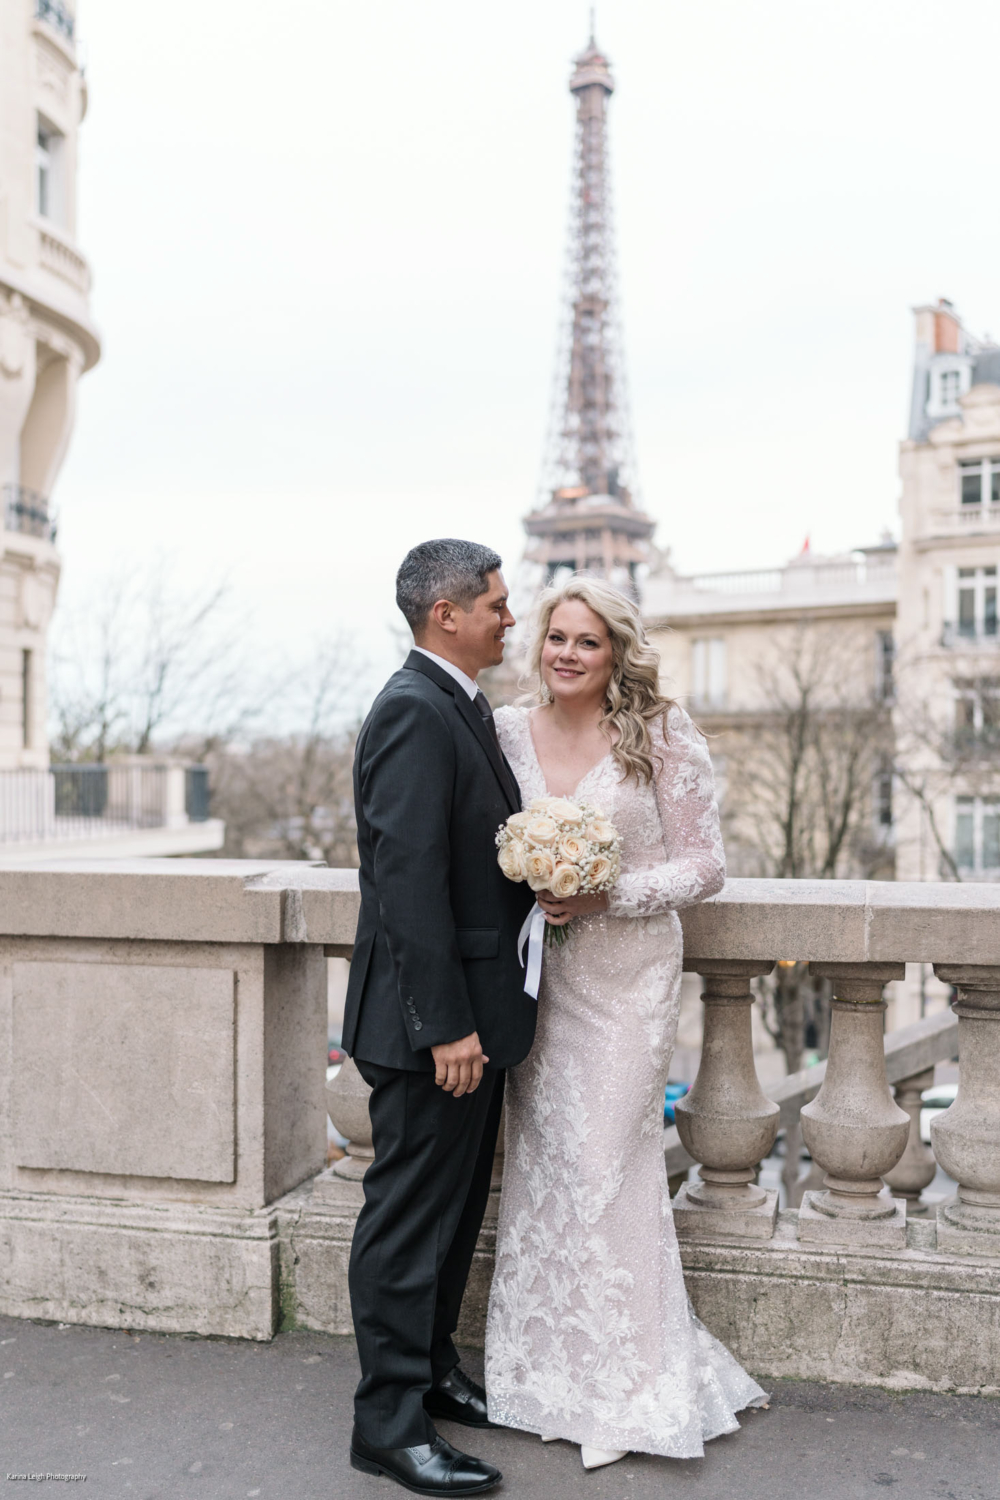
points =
(964, 518)
(57, 16)
(27, 511)
(857, 579)
(218, 1215)
(87, 801)
(983, 633)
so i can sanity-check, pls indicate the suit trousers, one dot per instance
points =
(425, 1197)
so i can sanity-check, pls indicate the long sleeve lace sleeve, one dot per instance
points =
(685, 796)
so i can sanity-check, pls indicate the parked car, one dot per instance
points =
(939, 1097)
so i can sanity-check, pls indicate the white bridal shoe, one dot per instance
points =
(549, 1439)
(596, 1458)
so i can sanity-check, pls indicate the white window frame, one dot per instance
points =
(976, 691)
(978, 580)
(980, 809)
(942, 383)
(987, 467)
(708, 671)
(49, 168)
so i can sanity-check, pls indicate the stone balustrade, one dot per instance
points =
(162, 1117)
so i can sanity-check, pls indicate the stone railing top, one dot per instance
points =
(847, 921)
(275, 901)
(179, 900)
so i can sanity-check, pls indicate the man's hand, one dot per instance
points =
(458, 1066)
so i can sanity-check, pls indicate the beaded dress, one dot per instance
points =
(590, 1334)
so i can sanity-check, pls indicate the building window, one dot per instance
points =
(48, 172)
(26, 696)
(976, 612)
(708, 673)
(885, 648)
(977, 713)
(883, 796)
(949, 388)
(977, 834)
(980, 482)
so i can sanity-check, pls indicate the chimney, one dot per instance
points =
(938, 328)
(947, 328)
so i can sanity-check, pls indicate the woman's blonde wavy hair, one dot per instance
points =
(634, 699)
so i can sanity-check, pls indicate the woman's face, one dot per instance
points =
(576, 654)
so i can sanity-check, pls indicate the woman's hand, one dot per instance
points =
(558, 911)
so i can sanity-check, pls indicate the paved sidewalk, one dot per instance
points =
(159, 1415)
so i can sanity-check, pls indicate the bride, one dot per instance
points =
(590, 1335)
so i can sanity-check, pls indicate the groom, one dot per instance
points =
(435, 1011)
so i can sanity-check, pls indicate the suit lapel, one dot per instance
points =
(419, 663)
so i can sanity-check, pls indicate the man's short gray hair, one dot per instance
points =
(442, 569)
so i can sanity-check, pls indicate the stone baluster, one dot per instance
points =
(347, 1106)
(966, 1137)
(853, 1128)
(725, 1122)
(916, 1168)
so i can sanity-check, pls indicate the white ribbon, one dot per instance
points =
(532, 932)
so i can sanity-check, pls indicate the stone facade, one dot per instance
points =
(46, 342)
(909, 627)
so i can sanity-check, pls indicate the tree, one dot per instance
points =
(291, 796)
(799, 802)
(947, 743)
(802, 766)
(143, 661)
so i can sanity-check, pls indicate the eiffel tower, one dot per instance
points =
(586, 518)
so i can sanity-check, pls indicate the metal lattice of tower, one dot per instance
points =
(586, 518)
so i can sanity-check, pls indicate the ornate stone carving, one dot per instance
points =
(14, 340)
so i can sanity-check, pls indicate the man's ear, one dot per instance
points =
(443, 614)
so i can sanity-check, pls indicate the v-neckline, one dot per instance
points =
(541, 770)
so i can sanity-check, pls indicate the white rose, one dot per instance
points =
(565, 881)
(518, 822)
(541, 831)
(511, 860)
(600, 832)
(571, 848)
(599, 872)
(540, 867)
(564, 811)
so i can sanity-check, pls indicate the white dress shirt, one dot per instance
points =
(453, 671)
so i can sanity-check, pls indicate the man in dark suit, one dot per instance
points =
(435, 1012)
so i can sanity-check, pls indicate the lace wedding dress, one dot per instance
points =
(590, 1334)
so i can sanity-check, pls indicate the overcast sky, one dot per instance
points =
(327, 241)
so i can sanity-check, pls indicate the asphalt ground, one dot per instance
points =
(153, 1415)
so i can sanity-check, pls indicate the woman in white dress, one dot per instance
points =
(590, 1335)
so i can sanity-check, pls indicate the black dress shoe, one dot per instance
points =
(428, 1469)
(458, 1398)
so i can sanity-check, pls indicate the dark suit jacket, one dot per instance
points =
(435, 956)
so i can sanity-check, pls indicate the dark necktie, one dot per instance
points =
(481, 702)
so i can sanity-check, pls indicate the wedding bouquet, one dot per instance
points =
(560, 846)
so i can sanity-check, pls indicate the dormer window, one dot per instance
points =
(949, 378)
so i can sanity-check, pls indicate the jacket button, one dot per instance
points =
(418, 1025)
